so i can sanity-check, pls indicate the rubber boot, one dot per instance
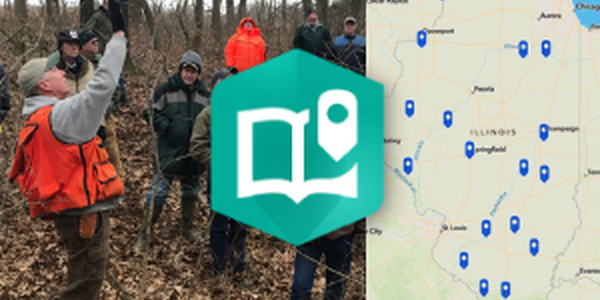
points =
(143, 239)
(187, 221)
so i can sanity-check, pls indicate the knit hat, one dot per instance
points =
(86, 35)
(222, 74)
(66, 36)
(308, 12)
(192, 59)
(32, 72)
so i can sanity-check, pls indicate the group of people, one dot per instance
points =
(67, 160)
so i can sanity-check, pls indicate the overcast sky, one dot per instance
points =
(167, 2)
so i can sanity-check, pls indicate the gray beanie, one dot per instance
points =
(191, 58)
(31, 73)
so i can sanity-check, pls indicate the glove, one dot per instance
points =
(116, 17)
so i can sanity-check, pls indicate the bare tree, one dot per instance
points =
(242, 9)
(52, 8)
(86, 9)
(230, 16)
(199, 18)
(21, 10)
(217, 28)
(306, 5)
(149, 16)
(357, 7)
(322, 10)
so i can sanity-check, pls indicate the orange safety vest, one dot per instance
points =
(55, 176)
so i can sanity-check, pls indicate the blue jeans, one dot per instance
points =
(190, 187)
(227, 243)
(338, 255)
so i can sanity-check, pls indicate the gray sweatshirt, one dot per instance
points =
(76, 119)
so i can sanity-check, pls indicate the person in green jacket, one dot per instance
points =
(174, 107)
(99, 22)
(312, 36)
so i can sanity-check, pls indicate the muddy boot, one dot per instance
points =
(187, 221)
(143, 239)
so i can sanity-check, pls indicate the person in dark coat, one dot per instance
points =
(312, 36)
(175, 106)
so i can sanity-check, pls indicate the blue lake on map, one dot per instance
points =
(588, 12)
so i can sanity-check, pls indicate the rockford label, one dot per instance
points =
(483, 89)
(440, 31)
(493, 132)
(570, 129)
(490, 149)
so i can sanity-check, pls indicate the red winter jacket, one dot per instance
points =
(246, 48)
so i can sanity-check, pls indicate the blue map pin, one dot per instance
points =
(544, 173)
(421, 38)
(448, 119)
(544, 132)
(464, 260)
(484, 287)
(505, 289)
(469, 149)
(534, 247)
(524, 167)
(546, 48)
(523, 48)
(410, 108)
(408, 165)
(515, 224)
(486, 228)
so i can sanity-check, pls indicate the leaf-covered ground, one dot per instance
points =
(33, 263)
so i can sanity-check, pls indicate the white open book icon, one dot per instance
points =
(336, 139)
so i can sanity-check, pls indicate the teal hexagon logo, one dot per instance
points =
(297, 147)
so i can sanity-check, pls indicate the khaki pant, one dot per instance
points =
(87, 258)
(111, 145)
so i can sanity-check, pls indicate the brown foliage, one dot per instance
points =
(33, 263)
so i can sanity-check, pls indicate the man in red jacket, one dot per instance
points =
(246, 48)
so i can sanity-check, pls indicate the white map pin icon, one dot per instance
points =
(337, 138)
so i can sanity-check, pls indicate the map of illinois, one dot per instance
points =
(492, 154)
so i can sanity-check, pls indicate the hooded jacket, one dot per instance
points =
(246, 48)
(175, 106)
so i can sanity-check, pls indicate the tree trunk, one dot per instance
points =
(230, 15)
(199, 18)
(149, 16)
(217, 29)
(52, 9)
(242, 10)
(284, 15)
(86, 9)
(53, 12)
(322, 10)
(306, 5)
(357, 7)
(21, 10)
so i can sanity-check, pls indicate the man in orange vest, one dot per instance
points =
(60, 165)
(246, 48)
